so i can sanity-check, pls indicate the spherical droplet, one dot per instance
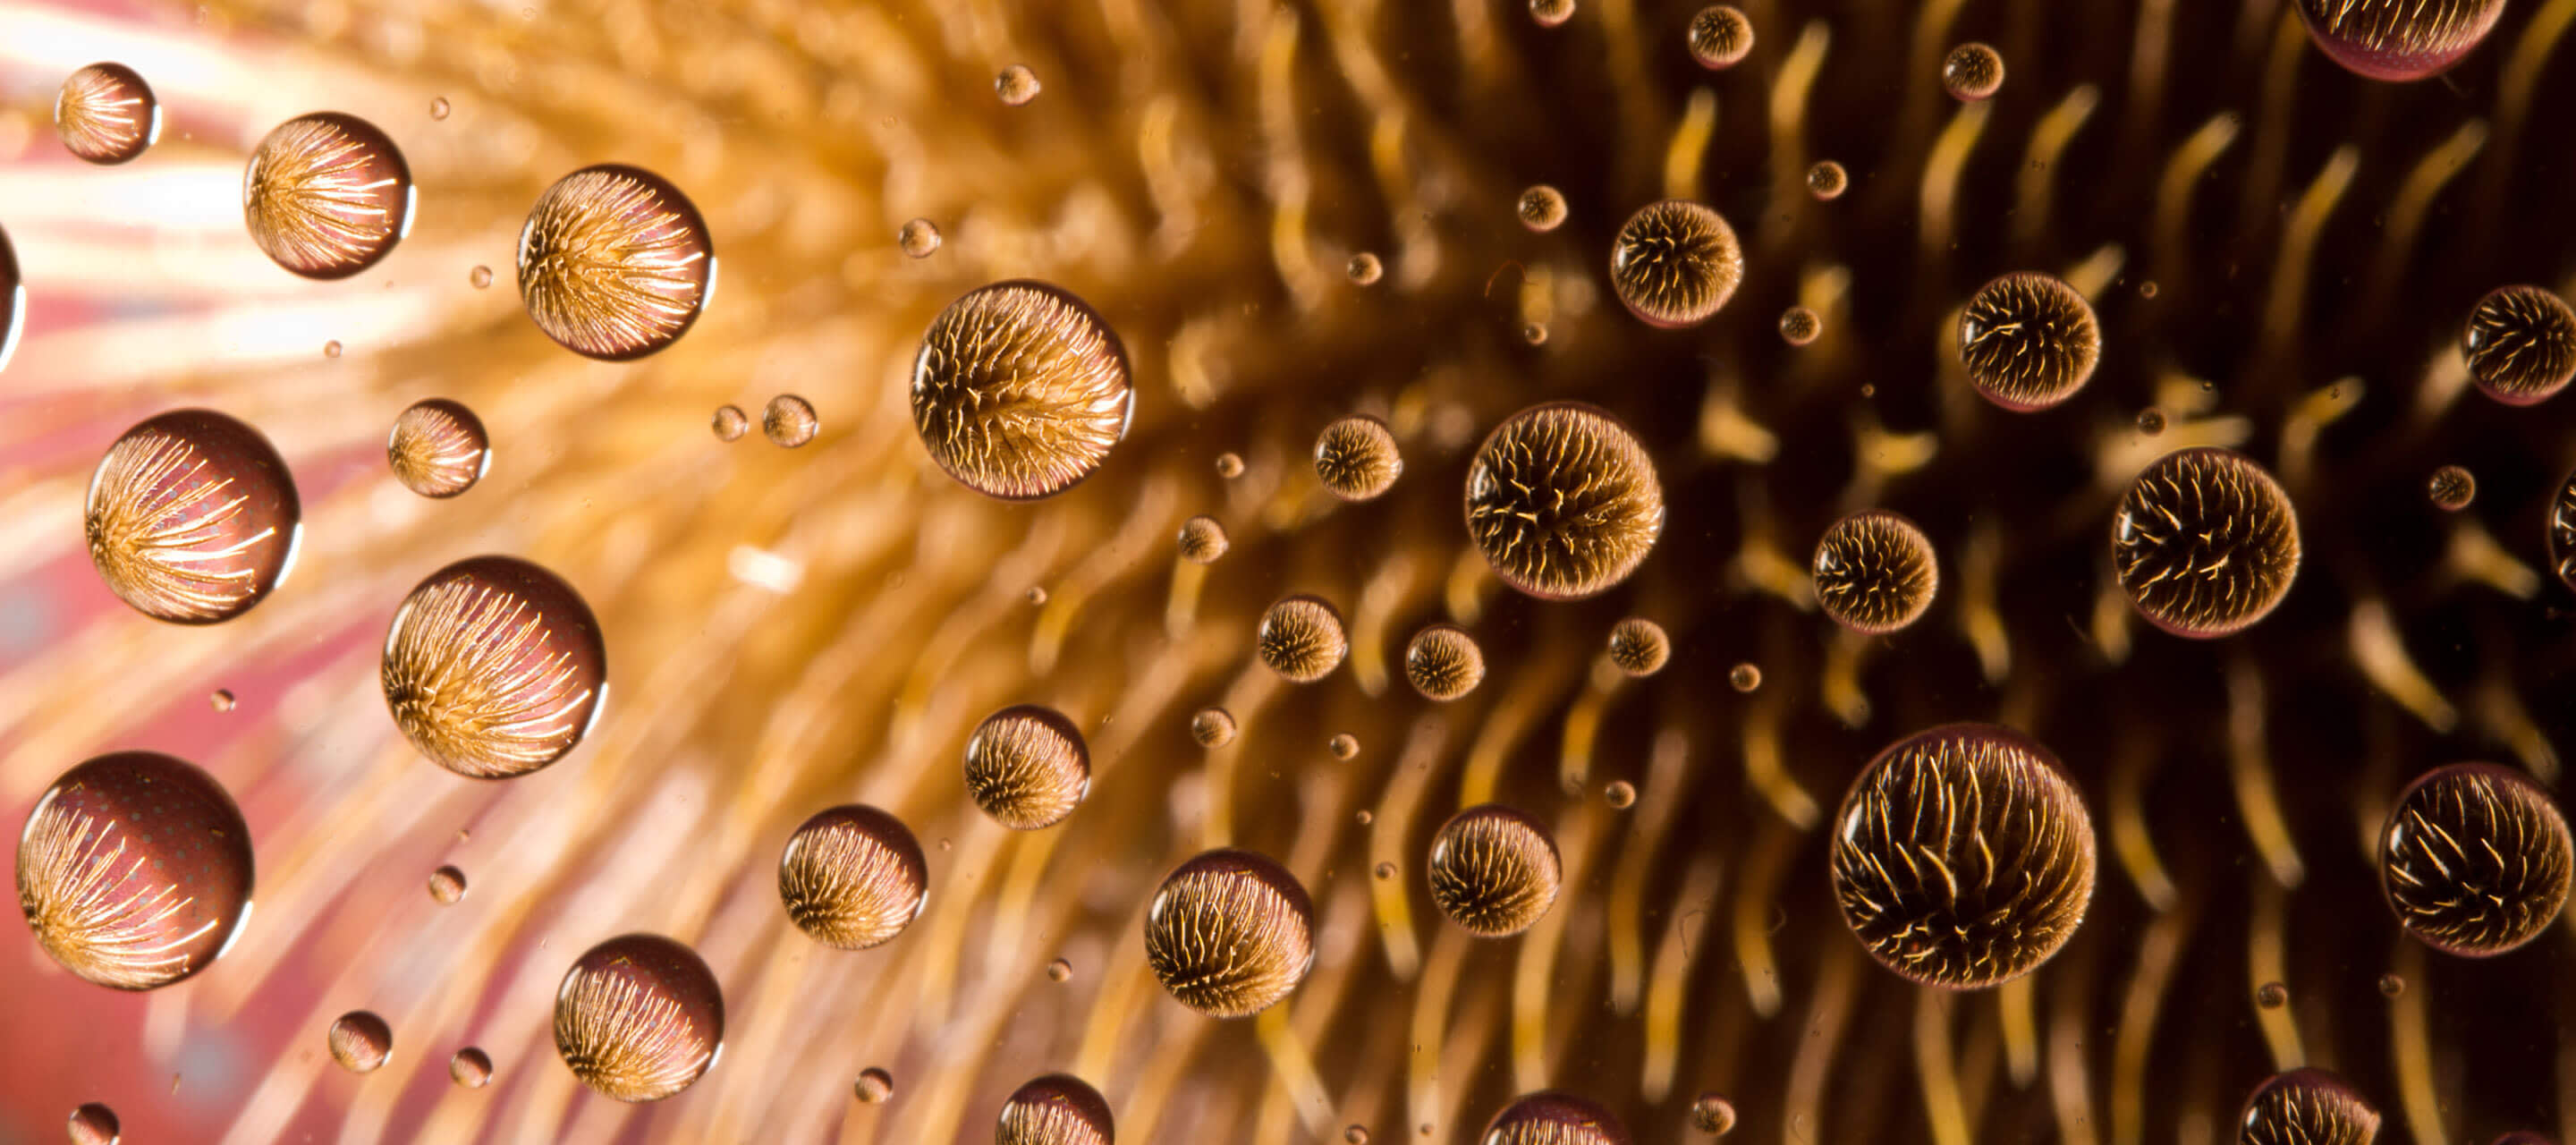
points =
(192, 517)
(918, 238)
(494, 667)
(2397, 39)
(1202, 540)
(1356, 1135)
(1058, 1109)
(1212, 727)
(1357, 459)
(134, 870)
(1364, 269)
(2392, 985)
(789, 421)
(1344, 746)
(1620, 794)
(2520, 344)
(1541, 208)
(1384, 871)
(1037, 594)
(360, 1041)
(1027, 767)
(2451, 488)
(1799, 326)
(470, 1068)
(1720, 36)
(2306, 1107)
(447, 886)
(1639, 647)
(2205, 542)
(106, 114)
(1551, 13)
(1563, 501)
(1230, 933)
(730, 423)
(327, 195)
(2029, 341)
(2271, 995)
(1229, 466)
(1713, 1114)
(1962, 857)
(438, 107)
(2475, 859)
(1551, 1118)
(1443, 663)
(438, 448)
(1494, 870)
(1059, 971)
(615, 263)
(1016, 85)
(2151, 421)
(874, 1087)
(1744, 677)
(1875, 572)
(1827, 180)
(1534, 333)
(852, 877)
(222, 700)
(639, 1018)
(1674, 263)
(1301, 638)
(1020, 390)
(1972, 72)
(95, 1124)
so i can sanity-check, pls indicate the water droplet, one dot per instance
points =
(1443, 663)
(1541, 208)
(331, 349)
(2205, 542)
(1674, 263)
(1534, 333)
(438, 448)
(1344, 746)
(1230, 933)
(1357, 459)
(1563, 501)
(1874, 572)
(852, 877)
(494, 667)
(2151, 421)
(192, 517)
(2451, 488)
(135, 870)
(1229, 466)
(730, 423)
(1972, 71)
(327, 195)
(2392, 985)
(1720, 36)
(222, 700)
(2475, 859)
(1059, 971)
(639, 1018)
(1744, 677)
(1202, 540)
(438, 107)
(615, 263)
(480, 277)
(2520, 344)
(1057, 1109)
(1827, 180)
(95, 1124)
(1551, 1118)
(1037, 594)
(1639, 647)
(13, 300)
(2147, 289)
(470, 1068)
(1016, 85)
(1551, 13)
(1385, 871)
(2306, 1107)
(1494, 870)
(2271, 995)
(1301, 638)
(2028, 341)
(918, 238)
(1620, 794)
(790, 421)
(874, 1087)
(1364, 268)
(2397, 40)
(106, 114)
(447, 886)
(1356, 1135)
(1365, 817)
(1020, 390)
(1027, 767)
(1963, 798)
(1713, 1114)
(361, 1041)
(1212, 727)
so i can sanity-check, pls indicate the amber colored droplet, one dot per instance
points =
(1356, 458)
(1058, 1109)
(1385, 871)
(494, 667)
(874, 1087)
(1037, 594)
(615, 263)
(2271, 995)
(919, 238)
(2520, 345)
(438, 107)
(192, 517)
(1534, 333)
(790, 421)
(327, 195)
(1202, 540)
(1059, 971)
(1875, 572)
(1972, 72)
(1551, 13)
(1713, 1114)
(1639, 647)
(1720, 36)
(13, 301)
(2398, 40)
(1302, 639)
(1443, 663)
(360, 1041)
(1744, 677)
(331, 349)
(1494, 870)
(1541, 208)
(106, 114)
(1016, 85)
(2029, 341)
(730, 423)
(853, 877)
(222, 700)
(2205, 542)
(1364, 269)
(1827, 180)
(2147, 289)
(1799, 326)
(2151, 421)
(1020, 390)
(479, 278)
(1212, 727)
(447, 885)
(1620, 794)
(95, 1124)
(2306, 1107)
(1027, 767)
(1962, 856)
(639, 1018)
(438, 448)
(1551, 1118)
(135, 870)
(1230, 933)
(1356, 1135)
(2475, 859)
(2451, 488)
(1563, 501)
(2392, 985)
(470, 1068)
(1674, 263)
(1229, 466)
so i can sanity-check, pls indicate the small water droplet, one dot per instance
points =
(1674, 263)
(1230, 933)
(1344, 746)
(1016, 85)
(1827, 180)
(1059, 971)
(875, 1086)
(1028, 767)
(360, 1041)
(730, 423)
(470, 1068)
(639, 1018)
(438, 107)
(615, 263)
(1972, 71)
(480, 277)
(327, 195)
(1719, 36)
(1541, 208)
(438, 448)
(1365, 269)
(789, 421)
(106, 114)
(447, 886)
(853, 877)
(95, 1124)
(222, 699)
(1744, 677)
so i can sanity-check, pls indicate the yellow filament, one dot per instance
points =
(1933, 1064)
(1689, 146)
(2038, 173)
(1672, 977)
(2381, 652)
(2412, 1048)
(2265, 939)
(2137, 1028)
(2016, 1001)
(2249, 768)
(2287, 303)
(1941, 173)
(1295, 1069)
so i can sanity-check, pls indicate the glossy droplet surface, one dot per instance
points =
(1364, 269)
(2271, 995)
(790, 421)
(1494, 870)
(135, 870)
(439, 448)
(1541, 208)
(2306, 1107)
(874, 1087)
(2151, 421)
(1875, 572)
(106, 114)
(2451, 488)
(1551, 1118)
(360, 1041)
(639, 1018)
(1443, 663)
(1356, 458)
(1059, 970)
(1230, 933)
(1027, 767)
(192, 517)
(1302, 639)
(2029, 341)
(1551, 13)
(95, 1124)
(1799, 326)
(13, 300)
(1962, 857)
(1058, 1109)
(222, 700)
(2205, 542)
(1563, 501)
(1016, 85)
(1720, 36)
(1229, 466)
(1972, 72)
(327, 195)
(2520, 344)
(470, 1068)
(1674, 263)
(615, 263)
(2398, 39)
(1713, 1114)
(1620, 794)
(1212, 727)
(919, 238)
(1344, 746)
(447, 886)
(1202, 540)
(494, 667)
(1639, 647)
(853, 877)
(730, 423)
(1827, 180)
(1744, 677)
(2475, 859)
(438, 107)
(1020, 390)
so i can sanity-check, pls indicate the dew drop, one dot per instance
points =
(2392, 985)
(1443, 663)
(2451, 488)
(2271, 995)
(1301, 638)
(106, 114)
(222, 700)
(1620, 794)
(2151, 421)
(1059, 971)
(2029, 341)
(1713, 1114)
(192, 517)
(1364, 269)
(1229, 466)
(874, 1087)
(1027, 767)
(1551, 1118)
(360, 1041)
(494, 667)
(1344, 746)
(1563, 501)
(730, 423)
(1972, 72)
(2520, 345)
(2306, 1107)
(331, 349)
(1541, 208)
(1639, 647)
(1202, 540)
(1356, 1135)
(1674, 263)
(447, 886)
(1357, 459)
(615, 263)
(1037, 595)
(1020, 390)
(2397, 39)
(2205, 542)
(1016, 85)
(1720, 36)
(327, 195)
(2475, 859)
(1212, 727)
(95, 1124)
(1384, 871)
(135, 870)
(789, 421)
(1827, 180)
(1744, 677)
(1534, 333)
(919, 238)
(2147, 289)
(470, 1068)
(639, 1018)
(1799, 326)
(438, 107)
(853, 877)
(438, 448)
(1494, 870)
(1230, 933)
(1875, 572)
(1551, 13)
(480, 277)
(1058, 1109)
(1365, 817)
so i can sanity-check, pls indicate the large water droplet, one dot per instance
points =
(192, 517)
(494, 667)
(327, 195)
(135, 870)
(106, 114)
(639, 1018)
(615, 263)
